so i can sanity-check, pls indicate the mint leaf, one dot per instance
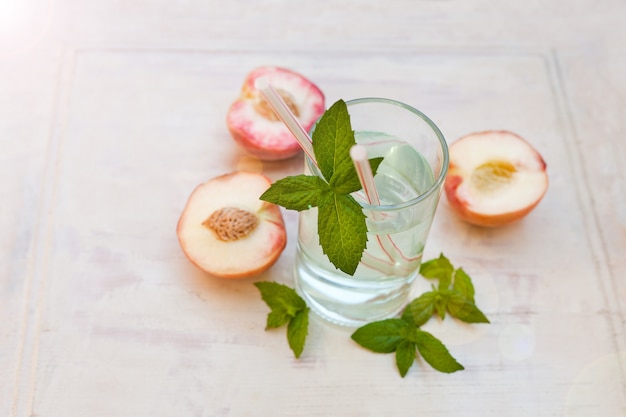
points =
(465, 310)
(440, 269)
(436, 354)
(277, 318)
(346, 180)
(342, 230)
(380, 336)
(458, 300)
(409, 332)
(441, 303)
(463, 284)
(420, 310)
(374, 164)
(341, 223)
(280, 297)
(297, 331)
(287, 307)
(405, 356)
(401, 337)
(299, 192)
(332, 139)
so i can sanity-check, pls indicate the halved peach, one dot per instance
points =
(227, 231)
(254, 125)
(494, 178)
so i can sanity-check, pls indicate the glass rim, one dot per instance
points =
(437, 184)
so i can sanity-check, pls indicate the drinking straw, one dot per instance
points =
(281, 108)
(358, 153)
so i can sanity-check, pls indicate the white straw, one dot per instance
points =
(358, 153)
(284, 113)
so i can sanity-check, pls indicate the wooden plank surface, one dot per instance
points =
(112, 118)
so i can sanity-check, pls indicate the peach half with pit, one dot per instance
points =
(227, 231)
(253, 123)
(494, 178)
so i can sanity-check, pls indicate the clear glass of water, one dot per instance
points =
(409, 183)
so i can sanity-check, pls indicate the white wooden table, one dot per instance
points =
(111, 112)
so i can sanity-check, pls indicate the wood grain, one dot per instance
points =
(111, 119)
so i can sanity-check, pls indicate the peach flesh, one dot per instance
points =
(494, 178)
(253, 124)
(227, 231)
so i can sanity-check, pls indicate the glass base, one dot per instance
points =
(348, 301)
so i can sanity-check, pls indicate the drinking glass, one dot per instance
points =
(409, 183)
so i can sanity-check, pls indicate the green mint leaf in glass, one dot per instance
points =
(297, 331)
(342, 230)
(287, 307)
(347, 181)
(332, 139)
(374, 164)
(405, 356)
(436, 354)
(463, 284)
(465, 310)
(439, 268)
(380, 336)
(420, 310)
(299, 192)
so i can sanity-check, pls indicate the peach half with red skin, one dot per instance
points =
(253, 123)
(227, 231)
(494, 178)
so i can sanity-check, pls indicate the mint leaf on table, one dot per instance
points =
(287, 307)
(441, 302)
(403, 338)
(465, 310)
(440, 269)
(297, 331)
(405, 356)
(435, 353)
(341, 223)
(381, 336)
(454, 294)
(420, 310)
(463, 284)
(400, 335)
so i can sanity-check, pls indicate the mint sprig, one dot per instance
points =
(341, 223)
(287, 307)
(454, 294)
(403, 338)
